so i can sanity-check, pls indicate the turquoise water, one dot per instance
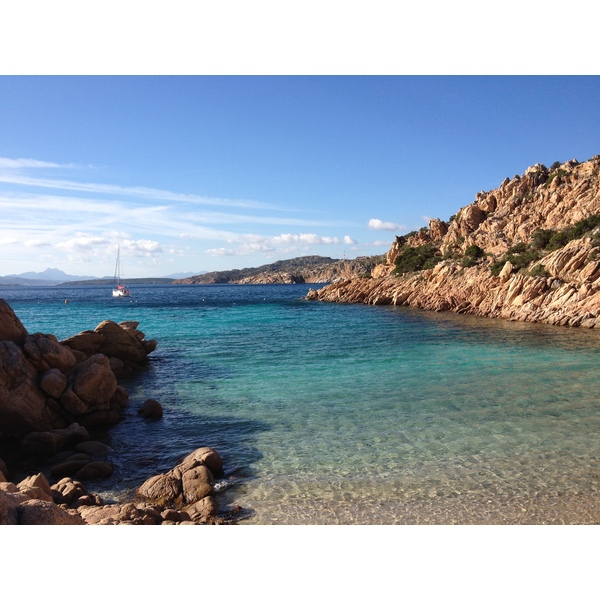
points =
(328, 413)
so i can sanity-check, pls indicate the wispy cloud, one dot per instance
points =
(30, 163)
(82, 222)
(129, 191)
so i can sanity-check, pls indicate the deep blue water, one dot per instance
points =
(331, 413)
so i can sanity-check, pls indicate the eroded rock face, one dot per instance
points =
(11, 328)
(437, 229)
(568, 293)
(119, 342)
(44, 352)
(46, 384)
(22, 402)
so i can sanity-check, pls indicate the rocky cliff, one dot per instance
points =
(528, 250)
(306, 269)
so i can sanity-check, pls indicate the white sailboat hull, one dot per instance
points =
(121, 293)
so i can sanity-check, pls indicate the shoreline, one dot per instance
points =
(53, 397)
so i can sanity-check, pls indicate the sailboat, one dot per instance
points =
(119, 291)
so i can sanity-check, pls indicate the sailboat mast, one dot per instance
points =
(118, 266)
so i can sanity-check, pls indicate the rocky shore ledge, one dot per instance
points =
(526, 251)
(52, 393)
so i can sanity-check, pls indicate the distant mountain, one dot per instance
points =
(51, 275)
(47, 277)
(305, 269)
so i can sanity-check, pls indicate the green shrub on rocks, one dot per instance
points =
(520, 255)
(548, 239)
(541, 238)
(472, 255)
(417, 259)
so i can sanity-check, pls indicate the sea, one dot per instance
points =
(349, 414)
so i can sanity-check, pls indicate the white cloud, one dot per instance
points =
(304, 238)
(220, 252)
(247, 244)
(426, 219)
(37, 243)
(82, 241)
(141, 247)
(387, 225)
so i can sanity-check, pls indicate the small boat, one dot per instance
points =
(119, 291)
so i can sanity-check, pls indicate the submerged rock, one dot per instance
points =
(151, 409)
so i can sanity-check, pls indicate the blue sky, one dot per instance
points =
(202, 173)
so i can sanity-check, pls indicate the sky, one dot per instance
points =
(202, 173)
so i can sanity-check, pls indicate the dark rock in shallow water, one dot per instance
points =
(41, 442)
(73, 434)
(69, 468)
(93, 448)
(94, 470)
(151, 409)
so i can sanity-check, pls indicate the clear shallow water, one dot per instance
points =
(330, 413)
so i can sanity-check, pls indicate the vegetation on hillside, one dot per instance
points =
(417, 258)
(543, 241)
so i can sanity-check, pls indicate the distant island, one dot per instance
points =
(305, 269)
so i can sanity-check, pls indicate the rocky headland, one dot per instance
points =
(528, 251)
(53, 394)
(306, 269)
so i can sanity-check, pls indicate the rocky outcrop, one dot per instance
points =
(47, 385)
(123, 344)
(559, 286)
(50, 392)
(34, 501)
(189, 485)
